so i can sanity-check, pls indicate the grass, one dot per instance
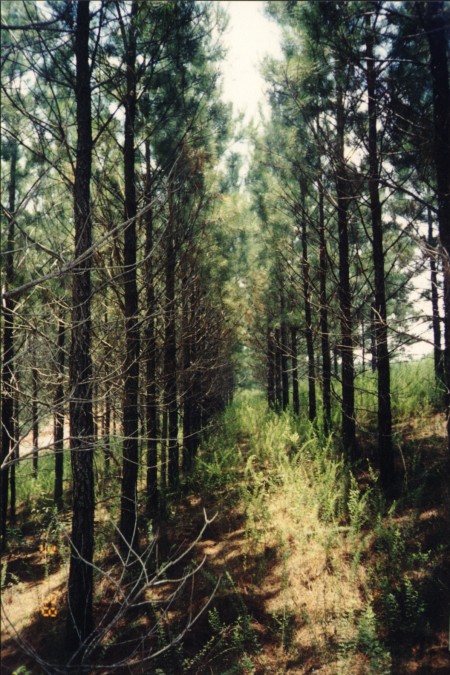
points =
(351, 570)
(319, 573)
(414, 391)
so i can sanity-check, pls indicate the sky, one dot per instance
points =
(249, 37)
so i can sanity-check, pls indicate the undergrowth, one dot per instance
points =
(348, 570)
(349, 577)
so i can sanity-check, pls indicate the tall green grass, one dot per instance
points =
(415, 392)
(300, 497)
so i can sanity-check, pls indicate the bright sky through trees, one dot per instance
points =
(250, 36)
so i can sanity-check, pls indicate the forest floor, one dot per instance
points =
(261, 617)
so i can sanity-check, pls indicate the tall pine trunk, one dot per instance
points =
(270, 368)
(196, 406)
(436, 31)
(34, 405)
(80, 588)
(436, 323)
(308, 313)
(58, 416)
(385, 447)
(278, 370)
(187, 340)
(128, 510)
(151, 393)
(8, 350)
(295, 387)
(15, 456)
(170, 352)
(323, 317)
(345, 299)
(284, 347)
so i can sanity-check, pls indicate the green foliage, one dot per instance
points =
(401, 603)
(284, 627)
(36, 491)
(231, 642)
(368, 642)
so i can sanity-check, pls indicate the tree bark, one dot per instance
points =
(436, 323)
(284, 347)
(34, 407)
(308, 314)
(435, 28)
(270, 369)
(58, 419)
(151, 402)
(12, 473)
(128, 508)
(323, 317)
(295, 389)
(278, 370)
(170, 352)
(187, 342)
(80, 588)
(385, 447)
(345, 298)
(8, 350)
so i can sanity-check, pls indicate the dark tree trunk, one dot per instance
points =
(188, 385)
(308, 315)
(323, 318)
(284, 354)
(8, 350)
(196, 411)
(436, 31)
(12, 474)
(80, 616)
(373, 339)
(363, 345)
(270, 369)
(170, 353)
(437, 352)
(385, 448)
(106, 433)
(345, 299)
(278, 370)
(295, 390)
(34, 408)
(128, 509)
(164, 443)
(95, 406)
(58, 419)
(151, 403)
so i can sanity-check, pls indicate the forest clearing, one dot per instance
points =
(225, 367)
